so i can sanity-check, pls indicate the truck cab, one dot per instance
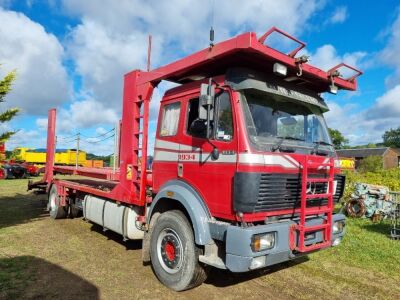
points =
(262, 133)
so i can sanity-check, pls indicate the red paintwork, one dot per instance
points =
(100, 173)
(170, 250)
(30, 168)
(274, 29)
(51, 146)
(301, 229)
(213, 181)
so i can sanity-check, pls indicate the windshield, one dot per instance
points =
(271, 119)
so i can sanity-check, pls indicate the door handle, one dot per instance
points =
(180, 169)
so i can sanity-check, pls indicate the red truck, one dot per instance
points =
(244, 173)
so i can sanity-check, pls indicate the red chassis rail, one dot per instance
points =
(245, 50)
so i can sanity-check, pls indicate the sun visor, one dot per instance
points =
(242, 79)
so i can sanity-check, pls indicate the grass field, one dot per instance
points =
(72, 259)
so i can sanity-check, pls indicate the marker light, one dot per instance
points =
(257, 262)
(338, 227)
(337, 163)
(333, 89)
(280, 69)
(336, 241)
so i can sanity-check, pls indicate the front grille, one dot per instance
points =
(283, 191)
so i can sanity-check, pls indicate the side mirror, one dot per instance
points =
(215, 154)
(207, 96)
(287, 121)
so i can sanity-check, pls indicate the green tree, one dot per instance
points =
(7, 115)
(338, 140)
(391, 138)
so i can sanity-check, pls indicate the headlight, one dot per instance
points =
(263, 241)
(337, 163)
(338, 227)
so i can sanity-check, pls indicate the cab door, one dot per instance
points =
(166, 148)
(211, 176)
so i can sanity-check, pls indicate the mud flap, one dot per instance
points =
(146, 239)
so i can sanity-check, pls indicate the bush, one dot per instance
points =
(389, 178)
(371, 164)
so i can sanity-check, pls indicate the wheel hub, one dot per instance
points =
(52, 202)
(169, 248)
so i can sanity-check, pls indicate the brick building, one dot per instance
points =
(390, 156)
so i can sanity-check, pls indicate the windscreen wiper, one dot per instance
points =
(278, 145)
(316, 146)
(322, 143)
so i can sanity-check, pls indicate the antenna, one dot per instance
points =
(212, 24)
(148, 53)
(211, 37)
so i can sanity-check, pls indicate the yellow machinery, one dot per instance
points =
(347, 163)
(94, 163)
(38, 156)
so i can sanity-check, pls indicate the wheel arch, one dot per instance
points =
(177, 194)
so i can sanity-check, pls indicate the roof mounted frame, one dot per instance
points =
(274, 29)
(332, 71)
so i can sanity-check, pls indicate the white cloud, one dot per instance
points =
(41, 124)
(37, 56)
(85, 114)
(390, 54)
(104, 46)
(368, 125)
(387, 107)
(339, 15)
(326, 57)
(26, 138)
(349, 122)
(90, 145)
(100, 130)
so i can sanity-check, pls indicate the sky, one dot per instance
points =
(72, 55)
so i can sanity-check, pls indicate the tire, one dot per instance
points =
(56, 211)
(355, 208)
(74, 211)
(173, 253)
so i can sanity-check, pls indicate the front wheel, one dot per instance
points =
(174, 255)
(56, 210)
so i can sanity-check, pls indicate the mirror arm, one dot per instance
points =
(208, 109)
(208, 122)
(215, 151)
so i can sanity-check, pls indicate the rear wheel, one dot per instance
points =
(174, 255)
(56, 211)
(75, 212)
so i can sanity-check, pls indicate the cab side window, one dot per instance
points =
(170, 119)
(224, 118)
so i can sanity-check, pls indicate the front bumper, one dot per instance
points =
(240, 257)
